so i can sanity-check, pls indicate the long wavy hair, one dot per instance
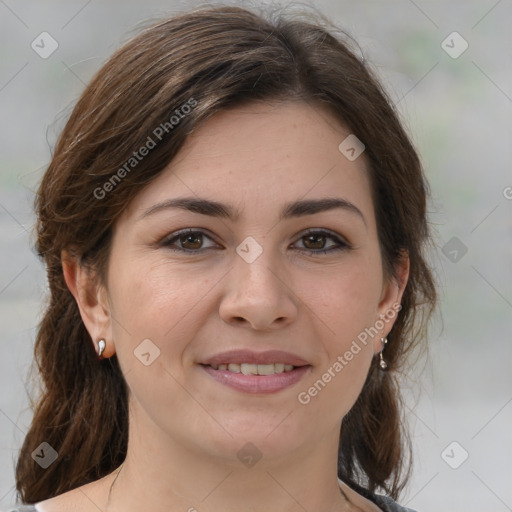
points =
(214, 57)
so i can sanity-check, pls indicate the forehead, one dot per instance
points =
(262, 155)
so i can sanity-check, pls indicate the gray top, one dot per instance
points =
(383, 502)
(21, 508)
(389, 505)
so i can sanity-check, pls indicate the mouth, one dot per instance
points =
(254, 369)
(256, 372)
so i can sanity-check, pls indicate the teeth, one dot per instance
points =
(266, 369)
(254, 369)
(249, 369)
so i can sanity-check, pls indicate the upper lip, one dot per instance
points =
(252, 357)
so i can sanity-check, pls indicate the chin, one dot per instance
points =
(258, 436)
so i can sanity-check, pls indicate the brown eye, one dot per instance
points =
(314, 242)
(192, 241)
(187, 241)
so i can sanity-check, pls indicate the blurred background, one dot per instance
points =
(447, 67)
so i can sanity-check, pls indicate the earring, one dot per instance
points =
(101, 347)
(383, 363)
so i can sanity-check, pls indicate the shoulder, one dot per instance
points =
(71, 501)
(384, 503)
(90, 497)
(389, 505)
(19, 507)
(36, 507)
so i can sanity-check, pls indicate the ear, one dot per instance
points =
(391, 297)
(92, 300)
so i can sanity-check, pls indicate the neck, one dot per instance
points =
(161, 474)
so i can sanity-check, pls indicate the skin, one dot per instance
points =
(186, 428)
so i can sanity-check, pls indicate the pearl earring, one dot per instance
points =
(383, 365)
(101, 347)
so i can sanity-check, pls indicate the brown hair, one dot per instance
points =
(212, 58)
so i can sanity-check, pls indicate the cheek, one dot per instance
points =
(149, 288)
(346, 304)
(347, 301)
(153, 300)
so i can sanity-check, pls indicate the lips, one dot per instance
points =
(256, 372)
(251, 357)
(255, 369)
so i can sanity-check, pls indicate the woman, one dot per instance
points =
(234, 226)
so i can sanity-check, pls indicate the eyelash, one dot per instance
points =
(342, 244)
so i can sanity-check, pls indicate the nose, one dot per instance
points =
(258, 294)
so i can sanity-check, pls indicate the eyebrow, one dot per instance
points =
(290, 210)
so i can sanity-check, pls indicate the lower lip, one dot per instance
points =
(257, 384)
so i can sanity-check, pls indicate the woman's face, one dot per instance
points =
(250, 288)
